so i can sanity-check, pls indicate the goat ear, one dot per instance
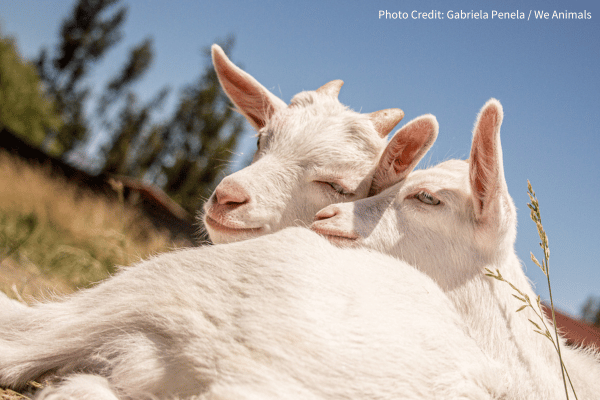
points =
(385, 120)
(486, 171)
(251, 99)
(404, 151)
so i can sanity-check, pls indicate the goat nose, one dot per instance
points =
(231, 194)
(326, 213)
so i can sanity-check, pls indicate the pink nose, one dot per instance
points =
(326, 213)
(231, 194)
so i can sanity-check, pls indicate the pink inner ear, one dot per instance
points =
(410, 144)
(248, 98)
(403, 152)
(484, 163)
(477, 180)
(402, 162)
(237, 88)
(244, 91)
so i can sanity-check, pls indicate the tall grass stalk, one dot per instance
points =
(524, 298)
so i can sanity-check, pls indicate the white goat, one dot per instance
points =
(286, 315)
(310, 154)
(452, 222)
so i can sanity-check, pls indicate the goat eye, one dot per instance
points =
(338, 188)
(427, 198)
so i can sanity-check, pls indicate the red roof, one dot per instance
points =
(576, 331)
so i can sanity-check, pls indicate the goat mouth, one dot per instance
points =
(219, 226)
(337, 237)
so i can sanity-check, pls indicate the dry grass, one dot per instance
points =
(536, 217)
(56, 237)
(7, 394)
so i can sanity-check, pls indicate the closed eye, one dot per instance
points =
(339, 189)
(427, 198)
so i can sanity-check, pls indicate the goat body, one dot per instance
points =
(286, 315)
(453, 221)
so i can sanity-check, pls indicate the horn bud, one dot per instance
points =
(331, 88)
(385, 120)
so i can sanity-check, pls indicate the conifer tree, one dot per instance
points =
(85, 37)
(199, 140)
(591, 311)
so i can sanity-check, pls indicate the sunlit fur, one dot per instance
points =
(282, 316)
(303, 146)
(473, 228)
(300, 146)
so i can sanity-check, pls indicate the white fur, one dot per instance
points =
(281, 316)
(302, 148)
(285, 315)
(7, 303)
(473, 228)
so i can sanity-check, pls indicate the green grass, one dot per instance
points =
(49, 251)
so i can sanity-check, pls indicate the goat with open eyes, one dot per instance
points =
(286, 315)
(453, 221)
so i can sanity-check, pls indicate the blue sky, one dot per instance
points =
(545, 73)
